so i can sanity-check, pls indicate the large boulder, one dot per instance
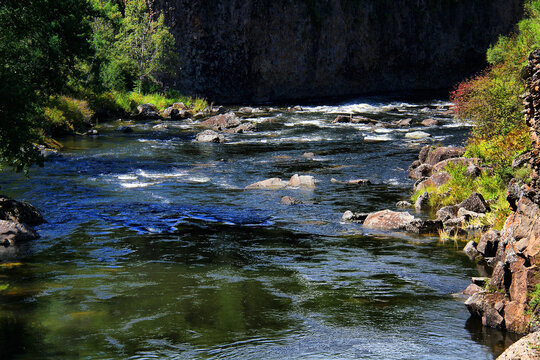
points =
(268, 184)
(221, 122)
(526, 348)
(458, 161)
(388, 220)
(147, 111)
(436, 180)
(475, 203)
(12, 232)
(443, 153)
(422, 171)
(488, 307)
(21, 212)
(209, 136)
(419, 226)
(489, 243)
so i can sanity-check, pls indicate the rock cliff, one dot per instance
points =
(271, 50)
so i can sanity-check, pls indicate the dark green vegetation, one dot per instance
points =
(66, 63)
(40, 42)
(491, 102)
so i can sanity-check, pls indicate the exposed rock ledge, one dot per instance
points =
(527, 348)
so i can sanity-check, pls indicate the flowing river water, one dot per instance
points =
(154, 250)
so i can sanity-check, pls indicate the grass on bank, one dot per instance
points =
(76, 114)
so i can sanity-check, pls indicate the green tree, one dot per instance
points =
(144, 43)
(40, 42)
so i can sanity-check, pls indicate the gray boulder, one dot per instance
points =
(475, 203)
(22, 212)
(12, 232)
(209, 136)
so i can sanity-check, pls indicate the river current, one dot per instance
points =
(154, 250)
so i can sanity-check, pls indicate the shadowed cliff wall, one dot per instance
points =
(271, 50)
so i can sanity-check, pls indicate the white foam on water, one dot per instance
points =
(136, 184)
(197, 179)
(127, 177)
(377, 138)
(161, 175)
(356, 108)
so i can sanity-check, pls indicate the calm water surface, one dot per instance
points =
(154, 250)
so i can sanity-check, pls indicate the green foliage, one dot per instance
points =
(129, 101)
(132, 48)
(40, 43)
(491, 100)
(66, 115)
(460, 187)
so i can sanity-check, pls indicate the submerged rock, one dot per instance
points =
(125, 129)
(268, 184)
(289, 200)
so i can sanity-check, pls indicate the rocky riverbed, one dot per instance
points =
(160, 245)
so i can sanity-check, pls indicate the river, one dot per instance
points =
(154, 250)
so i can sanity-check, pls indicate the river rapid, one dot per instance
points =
(154, 250)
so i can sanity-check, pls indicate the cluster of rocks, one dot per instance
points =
(296, 181)
(356, 119)
(16, 221)
(513, 255)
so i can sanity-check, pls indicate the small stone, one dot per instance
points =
(403, 204)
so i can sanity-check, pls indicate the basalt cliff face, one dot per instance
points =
(271, 50)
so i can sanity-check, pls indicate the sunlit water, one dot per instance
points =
(154, 250)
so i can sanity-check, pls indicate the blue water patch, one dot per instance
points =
(163, 218)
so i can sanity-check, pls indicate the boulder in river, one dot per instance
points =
(388, 220)
(417, 135)
(403, 122)
(268, 184)
(209, 136)
(221, 122)
(403, 204)
(430, 122)
(12, 232)
(22, 212)
(305, 181)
